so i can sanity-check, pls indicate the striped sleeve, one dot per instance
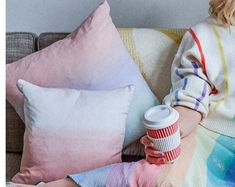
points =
(190, 85)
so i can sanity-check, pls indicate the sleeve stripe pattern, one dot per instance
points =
(178, 74)
(195, 67)
(184, 88)
(200, 50)
(214, 90)
(225, 68)
(222, 55)
(177, 96)
(201, 97)
(185, 83)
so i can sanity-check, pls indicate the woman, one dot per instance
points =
(202, 75)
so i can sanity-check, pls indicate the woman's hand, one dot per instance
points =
(152, 156)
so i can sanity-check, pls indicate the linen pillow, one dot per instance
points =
(69, 131)
(93, 57)
(153, 50)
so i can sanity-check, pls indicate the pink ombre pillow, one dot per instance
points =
(69, 131)
(93, 57)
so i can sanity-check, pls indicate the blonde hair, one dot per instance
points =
(223, 11)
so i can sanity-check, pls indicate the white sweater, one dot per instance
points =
(203, 75)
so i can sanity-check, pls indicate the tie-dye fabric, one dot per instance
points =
(207, 160)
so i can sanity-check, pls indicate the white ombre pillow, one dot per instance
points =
(70, 131)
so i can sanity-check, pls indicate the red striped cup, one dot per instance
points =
(161, 123)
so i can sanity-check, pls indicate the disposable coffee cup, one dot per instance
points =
(161, 124)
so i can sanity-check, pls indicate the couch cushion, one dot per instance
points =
(12, 164)
(18, 45)
(14, 130)
(48, 38)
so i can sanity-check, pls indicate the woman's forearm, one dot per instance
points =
(188, 119)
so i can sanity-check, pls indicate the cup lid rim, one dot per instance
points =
(161, 123)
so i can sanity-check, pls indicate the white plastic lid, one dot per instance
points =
(160, 116)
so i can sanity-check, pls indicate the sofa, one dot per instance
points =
(21, 44)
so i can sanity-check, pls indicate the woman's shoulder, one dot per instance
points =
(199, 35)
(204, 26)
(203, 30)
(209, 27)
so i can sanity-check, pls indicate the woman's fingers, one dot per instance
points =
(152, 152)
(155, 160)
(146, 141)
(153, 156)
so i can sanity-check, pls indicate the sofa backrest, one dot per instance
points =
(152, 49)
(18, 45)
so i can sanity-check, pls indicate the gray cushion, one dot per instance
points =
(18, 45)
(14, 130)
(46, 39)
(12, 164)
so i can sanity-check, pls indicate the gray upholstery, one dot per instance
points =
(18, 45)
(46, 39)
(14, 130)
(12, 164)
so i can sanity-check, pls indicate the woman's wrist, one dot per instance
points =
(188, 119)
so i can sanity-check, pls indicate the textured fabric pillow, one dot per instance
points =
(69, 131)
(92, 57)
(153, 50)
